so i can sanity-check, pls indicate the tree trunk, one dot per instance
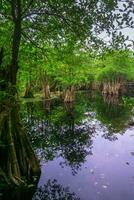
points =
(17, 157)
(46, 91)
(13, 67)
(28, 91)
(9, 73)
(112, 88)
(69, 94)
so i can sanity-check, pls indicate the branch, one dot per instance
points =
(28, 6)
(34, 43)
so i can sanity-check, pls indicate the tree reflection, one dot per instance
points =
(18, 163)
(61, 134)
(52, 190)
(75, 141)
(111, 99)
(113, 112)
(67, 129)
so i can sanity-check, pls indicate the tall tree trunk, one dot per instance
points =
(17, 157)
(16, 15)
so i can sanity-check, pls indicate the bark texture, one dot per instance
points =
(69, 94)
(46, 91)
(112, 88)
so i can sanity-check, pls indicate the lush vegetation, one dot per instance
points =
(46, 46)
(76, 69)
(55, 46)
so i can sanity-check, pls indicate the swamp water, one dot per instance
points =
(86, 149)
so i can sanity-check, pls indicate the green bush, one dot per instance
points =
(111, 74)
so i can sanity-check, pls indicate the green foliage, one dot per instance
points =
(71, 66)
(116, 65)
(73, 70)
(62, 67)
(111, 74)
(3, 95)
(53, 38)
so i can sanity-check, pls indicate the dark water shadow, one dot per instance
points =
(19, 166)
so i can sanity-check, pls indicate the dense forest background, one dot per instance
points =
(60, 46)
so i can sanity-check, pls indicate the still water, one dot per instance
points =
(86, 149)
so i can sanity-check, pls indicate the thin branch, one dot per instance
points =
(27, 8)
(34, 43)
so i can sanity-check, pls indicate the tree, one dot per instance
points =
(37, 22)
(53, 20)
(72, 70)
(115, 70)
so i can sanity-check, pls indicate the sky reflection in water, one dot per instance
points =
(87, 147)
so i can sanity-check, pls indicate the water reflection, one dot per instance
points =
(18, 164)
(86, 144)
(111, 99)
(58, 134)
(68, 128)
(115, 112)
(52, 190)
